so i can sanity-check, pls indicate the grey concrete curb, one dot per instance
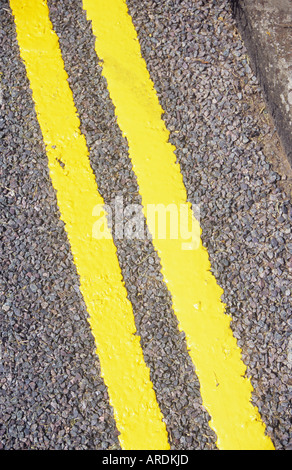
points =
(266, 29)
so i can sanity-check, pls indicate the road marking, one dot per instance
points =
(225, 390)
(136, 411)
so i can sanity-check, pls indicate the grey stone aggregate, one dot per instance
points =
(52, 395)
(165, 352)
(213, 107)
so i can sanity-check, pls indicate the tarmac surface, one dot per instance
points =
(52, 392)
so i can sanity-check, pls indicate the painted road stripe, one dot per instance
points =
(226, 392)
(136, 411)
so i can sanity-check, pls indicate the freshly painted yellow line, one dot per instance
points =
(136, 411)
(226, 392)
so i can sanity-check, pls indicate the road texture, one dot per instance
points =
(52, 392)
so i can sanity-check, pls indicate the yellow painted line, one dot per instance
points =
(225, 390)
(136, 411)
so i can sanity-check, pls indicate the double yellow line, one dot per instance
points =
(226, 392)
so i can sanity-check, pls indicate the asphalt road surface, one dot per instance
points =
(53, 395)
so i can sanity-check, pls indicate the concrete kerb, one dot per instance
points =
(265, 27)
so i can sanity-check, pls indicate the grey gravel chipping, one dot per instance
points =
(52, 395)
